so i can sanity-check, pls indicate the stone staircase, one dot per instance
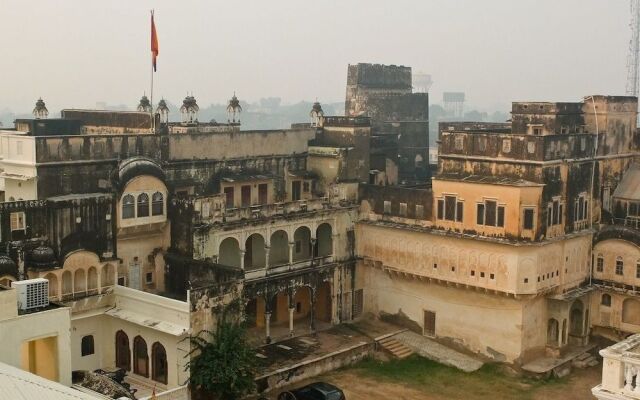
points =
(395, 348)
(584, 360)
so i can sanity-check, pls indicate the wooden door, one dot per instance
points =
(429, 323)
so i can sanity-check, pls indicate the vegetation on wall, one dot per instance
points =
(222, 364)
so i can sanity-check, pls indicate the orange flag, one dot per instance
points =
(154, 42)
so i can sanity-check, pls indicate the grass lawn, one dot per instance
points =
(489, 382)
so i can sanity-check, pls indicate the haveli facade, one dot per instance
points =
(521, 244)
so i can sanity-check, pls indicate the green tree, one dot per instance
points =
(223, 365)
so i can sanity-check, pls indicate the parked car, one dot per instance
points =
(314, 391)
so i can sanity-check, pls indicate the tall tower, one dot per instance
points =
(634, 50)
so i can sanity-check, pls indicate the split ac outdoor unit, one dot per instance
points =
(32, 293)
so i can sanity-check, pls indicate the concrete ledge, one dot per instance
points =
(310, 368)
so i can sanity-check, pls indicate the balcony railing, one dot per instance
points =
(284, 268)
(621, 370)
(631, 222)
(261, 211)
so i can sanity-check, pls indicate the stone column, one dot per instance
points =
(267, 250)
(559, 335)
(291, 311)
(291, 246)
(314, 241)
(99, 279)
(267, 320)
(242, 252)
(311, 312)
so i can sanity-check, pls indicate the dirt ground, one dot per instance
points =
(359, 385)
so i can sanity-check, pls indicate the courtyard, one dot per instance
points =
(417, 378)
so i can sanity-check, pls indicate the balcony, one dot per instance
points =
(282, 269)
(206, 215)
(620, 371)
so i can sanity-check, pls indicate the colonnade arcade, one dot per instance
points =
(568, 323)
(276, 246)
(296, 307)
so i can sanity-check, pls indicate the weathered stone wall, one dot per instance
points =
(376, 196)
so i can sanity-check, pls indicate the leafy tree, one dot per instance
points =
(224, 364)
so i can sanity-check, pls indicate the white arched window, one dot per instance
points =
(143, 205)
(128, 207)
(157, 204)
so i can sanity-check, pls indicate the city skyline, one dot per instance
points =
(213, 57)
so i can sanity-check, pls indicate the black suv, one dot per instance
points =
(314, 391)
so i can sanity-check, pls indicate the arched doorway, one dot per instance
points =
(140, 357)
(5, 280)
(229, 252)
(53, 284)
(324, 243)
(631, 311)
(254, 256)
(552, 332)
(324, 302)
(302, 244)
(251, 313)
(159, 363)
(302, 300)
(79, 283)
(576, 318)
(123, 352)
(92, 279)
(67, 283)
(107, 275)
(279, 248)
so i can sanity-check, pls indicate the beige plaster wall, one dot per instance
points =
(513, 198)
(490, 264)
(54, 323)
(488, 324)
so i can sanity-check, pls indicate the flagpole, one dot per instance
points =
(153, 121)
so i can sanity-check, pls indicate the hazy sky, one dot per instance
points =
(75, 53)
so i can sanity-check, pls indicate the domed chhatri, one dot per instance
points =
(189, 110)
(233, 110)
(163, 111)
(43, 257)
(316, 114)
(8, 266)
(40, 111)
(144, 105)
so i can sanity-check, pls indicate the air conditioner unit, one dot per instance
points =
(32, 293)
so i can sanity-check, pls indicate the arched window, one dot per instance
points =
(157, 204)
(600, 263)
(128, 207)
(123, 354)
(159, 363)
(606, 300)
(140, 357)
(619, 266)
(87, 345)
(143, 205)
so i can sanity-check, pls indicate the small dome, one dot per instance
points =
(42, 257)
(40, 111)
(316, 107)
(189, 103)
(234, 103)
(144, 105)
(162, 105)
(8, 266)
